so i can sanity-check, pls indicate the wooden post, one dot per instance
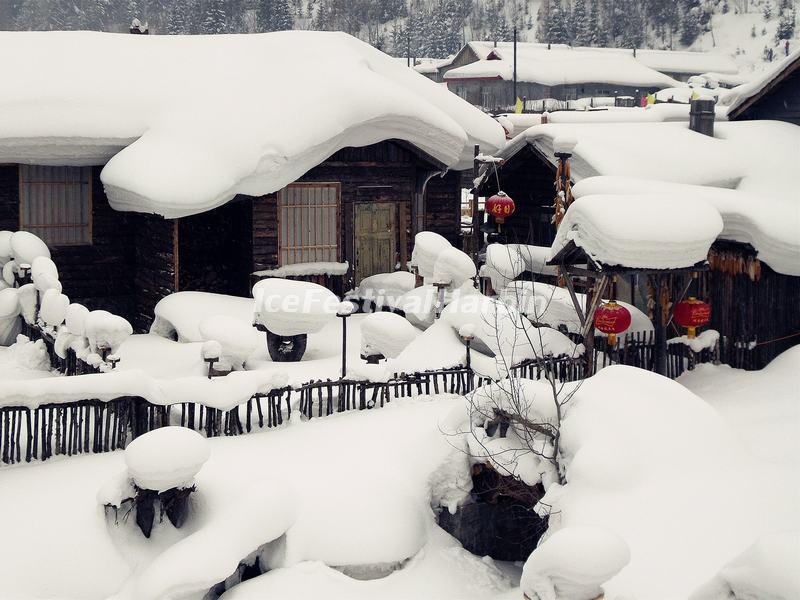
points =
(476, 232)
(660, 328)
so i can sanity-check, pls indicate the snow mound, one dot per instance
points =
(238, 340)
(453, 267)
(427, 246)
(179, 314)
(386, 333)
(573, 563)
(287, 307)
(615, 230)
(385, 288)
(9, 310)
(5, 246)
(166, 458)
(106, 331)
(767, 570)
(204, 128)
(44, 274)
(506, 262)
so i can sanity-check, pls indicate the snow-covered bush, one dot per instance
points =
(453, 267)
(106, 331)
(53, 308)
(28, 354)
(27, 302)
(44, 274)
(166, 458)
(9, 311)
(26, 247)
(236, 339)
(427, 246)
(75, 318)
(9, 269)
(573, 563)
(289, 308)
(386, 333)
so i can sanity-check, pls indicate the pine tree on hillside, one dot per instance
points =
(558, 33)
(591, 33)
(580, 23)
(632, 33)
(214, 17)
(787, 18)
(767, 12)
(178, 18)
(274, 15)
(690, 25)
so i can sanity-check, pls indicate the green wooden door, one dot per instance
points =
(375, 239)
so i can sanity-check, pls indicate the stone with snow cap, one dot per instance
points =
(166, 458)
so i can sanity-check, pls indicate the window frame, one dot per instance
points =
(280, 217)
(89, 206)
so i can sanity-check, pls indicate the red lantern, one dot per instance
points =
(500, 206)
(612, 318)
(692, 313)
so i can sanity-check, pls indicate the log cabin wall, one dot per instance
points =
(386, 172)
(530, 180)
(98, 275)
(443, 206)
(156, 258)
(759, 306)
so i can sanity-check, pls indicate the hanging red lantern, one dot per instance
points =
(612, 318)
(500, 206)
(692, 313)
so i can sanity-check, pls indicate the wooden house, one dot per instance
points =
(132, 212)
(753, 276)
(483, 72)
(775, 95)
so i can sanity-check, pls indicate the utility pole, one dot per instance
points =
(476, 232)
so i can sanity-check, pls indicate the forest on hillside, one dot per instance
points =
(434, 28)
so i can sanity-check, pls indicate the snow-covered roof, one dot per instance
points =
(744, 94)
(674, 232)
(187, 122)
(757, 198)
(665, 61)
(560, 66)
(431, 65)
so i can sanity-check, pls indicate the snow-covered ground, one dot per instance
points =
(353, 491)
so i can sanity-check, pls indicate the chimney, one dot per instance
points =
(701, 117)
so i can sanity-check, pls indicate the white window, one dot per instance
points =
(55, 204)
(308, 220)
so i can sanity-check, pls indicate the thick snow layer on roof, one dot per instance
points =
(757, 206)
(774, 233)
(665, 61)
(741, 94)
(563, 67)
(188, 122)
(614, 230)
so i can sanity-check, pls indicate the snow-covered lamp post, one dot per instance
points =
(563, 147)
(467, 333)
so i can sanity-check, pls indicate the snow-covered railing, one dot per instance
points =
(31, 431)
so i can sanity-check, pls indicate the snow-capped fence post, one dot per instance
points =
(345, 310)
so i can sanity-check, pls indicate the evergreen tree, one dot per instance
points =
(690, 25)
(787, 18)
(274, 15)
(580, 23)
(767, 12)
(214, 17)
(543, 17)
(558, 33)
(178, 18)
(591, 33)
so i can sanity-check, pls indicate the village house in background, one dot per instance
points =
(483, 72)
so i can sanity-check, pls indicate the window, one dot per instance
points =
(308, 218)
(55, 204)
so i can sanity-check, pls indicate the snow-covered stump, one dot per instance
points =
(287, 311)
(161, 466)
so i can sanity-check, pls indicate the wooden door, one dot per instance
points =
(375, 239)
